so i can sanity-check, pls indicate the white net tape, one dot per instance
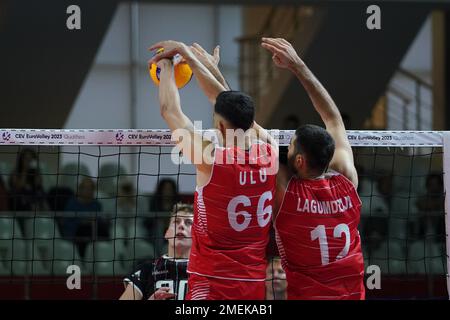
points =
(158, 137)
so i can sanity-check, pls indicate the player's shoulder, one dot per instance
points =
(338, 177)
(145, 266)
(166, 261)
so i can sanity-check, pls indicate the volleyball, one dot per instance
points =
(182, 71)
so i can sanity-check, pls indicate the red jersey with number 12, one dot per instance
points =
(318, 239)
(232, 215)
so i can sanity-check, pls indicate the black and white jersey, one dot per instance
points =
(149, 276)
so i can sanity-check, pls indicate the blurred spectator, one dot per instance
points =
(127, 216)
(4, 197)
(384, 189)
(431, 206)
(82, 229)
(276, 283)
(126, 201)
(291, 122)
(434, 200)
(58, 197)
(374, 226)
(27, 192)
(375, 209)
(25, 186)
(165, 197)
(373, 245)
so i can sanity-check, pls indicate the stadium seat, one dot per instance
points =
(136, 230)
(9, 228)
(65, 254)
(5, 256)
(397, 256)
(404, 204)
(379, 256)
(6, 228)
(104, 258)
(41, 228)
(41, 255)
(140, 249)
(398, 228)
(416, 258)
(5, 269)
(117, 230)
(436, 254)
(21, 257)
(15, 256)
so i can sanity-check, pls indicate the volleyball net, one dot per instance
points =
(100, 200)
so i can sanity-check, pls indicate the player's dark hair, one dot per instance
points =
(236, 107)
(316, 145)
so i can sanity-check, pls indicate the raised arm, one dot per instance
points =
(211, 62)
(206, 70)
(190, 142)
(285, 56)
(206, 80)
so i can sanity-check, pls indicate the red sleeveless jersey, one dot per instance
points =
(232, 215)
(318, 239)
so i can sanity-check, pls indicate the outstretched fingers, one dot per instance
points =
(199, 47)
(272, 48)
(274, 42)
(216, 53)
(157, 45)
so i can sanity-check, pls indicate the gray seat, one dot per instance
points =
(65, 254)
(416, 258)
(9, 228)
(41, 228)
(104, 258)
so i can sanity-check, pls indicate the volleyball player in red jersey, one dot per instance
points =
(235, 183)
(316, 225)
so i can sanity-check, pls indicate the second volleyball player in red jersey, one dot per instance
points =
(235, 182)
(316, 226)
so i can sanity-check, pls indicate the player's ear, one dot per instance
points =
(300, 161)
(222, 128)
(167, 235)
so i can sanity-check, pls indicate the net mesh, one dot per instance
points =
(403, 220)
(104, 208)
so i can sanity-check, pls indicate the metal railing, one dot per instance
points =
(407, 105)
(256, 70)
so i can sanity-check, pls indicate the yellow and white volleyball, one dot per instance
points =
(182, 71)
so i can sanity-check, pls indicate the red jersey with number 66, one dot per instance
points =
(318, 239)
(232, 215)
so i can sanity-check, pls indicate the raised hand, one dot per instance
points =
(170, 48)
(283, 54)
(204, 57)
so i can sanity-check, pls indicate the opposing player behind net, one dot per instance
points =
(316, 226)
(235, 185)
(275, 280)
(166, 277)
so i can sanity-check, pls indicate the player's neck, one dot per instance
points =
(242, 142)
(311, 176)
(178, 253)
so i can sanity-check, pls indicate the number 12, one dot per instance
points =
(320, 233)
